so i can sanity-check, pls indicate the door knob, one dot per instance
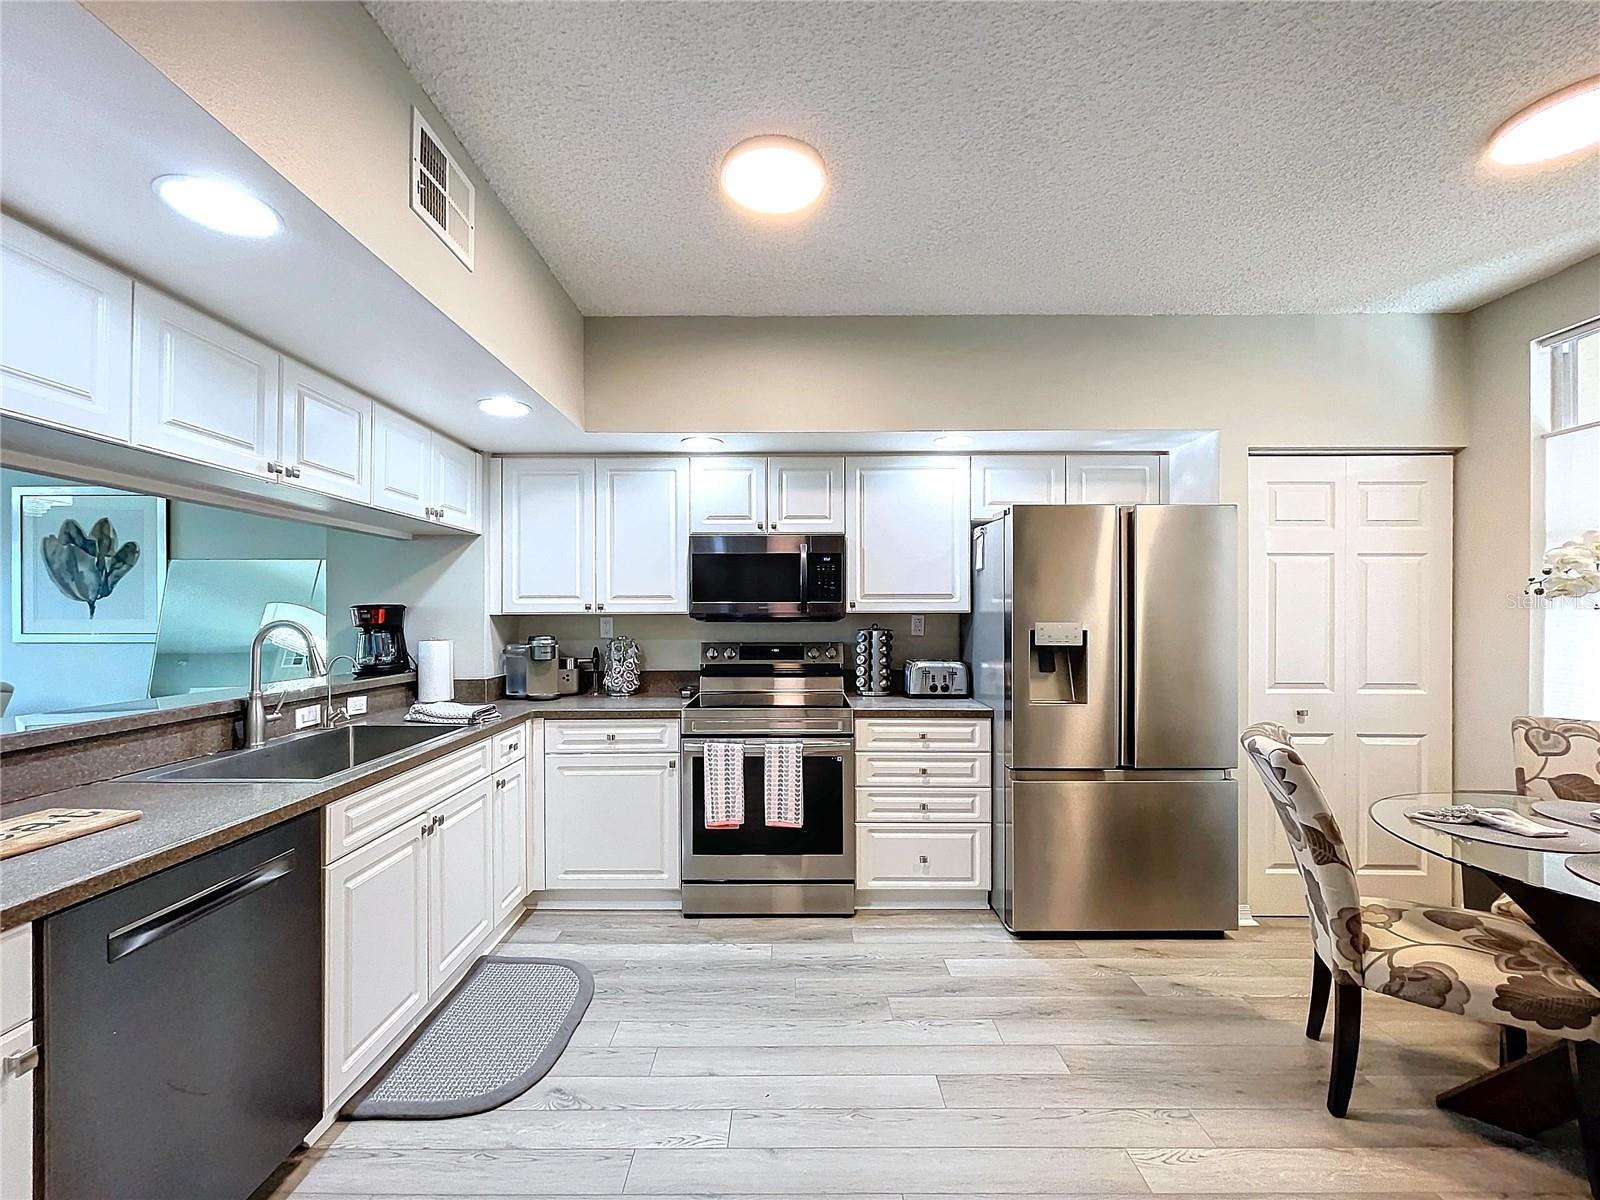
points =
(1300, 715)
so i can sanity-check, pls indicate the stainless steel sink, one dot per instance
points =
(307, 756)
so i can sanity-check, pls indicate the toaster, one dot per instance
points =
(933, 677)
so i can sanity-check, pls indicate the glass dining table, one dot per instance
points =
(1532, 1094)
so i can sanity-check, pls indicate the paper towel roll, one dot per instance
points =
(436, 672)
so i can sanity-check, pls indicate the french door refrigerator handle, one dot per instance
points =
(1122, 644)
(122, 942)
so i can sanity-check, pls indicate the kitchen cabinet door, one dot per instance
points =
(460, 881)
(402, 463)
(201, 389)
(1114, 478)
(922, 856)
(547, 542)
(376, 922)
(612, 821)
(66, 336)
(1001, 480)
(805, 495)
(455, 484)
(908, 534)
(510, 833)
(16, 1113)
(326, 442)
(727, 495)
(643, 546)
(535, 871)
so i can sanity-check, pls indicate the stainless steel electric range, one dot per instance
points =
(754, 692)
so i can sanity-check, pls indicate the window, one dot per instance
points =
(1567, 471)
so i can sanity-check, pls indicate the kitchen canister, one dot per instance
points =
(624, 664)
(874, 649)
(436, 672)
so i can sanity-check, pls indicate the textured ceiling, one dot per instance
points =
(1021, 158)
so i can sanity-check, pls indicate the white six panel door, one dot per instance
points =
(547, 527)
(66, 324)
(728, 495)
(643, 549)
(326, 434)
(805, 495)
(1350, 645)
(201, 389)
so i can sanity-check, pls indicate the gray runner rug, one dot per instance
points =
(493, 1038)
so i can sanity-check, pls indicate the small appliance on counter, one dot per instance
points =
(570, 676)
(380, 639)
(936, 677)
(874, 648)
(533, 669)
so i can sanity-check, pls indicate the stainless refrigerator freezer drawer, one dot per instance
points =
(1123, 855)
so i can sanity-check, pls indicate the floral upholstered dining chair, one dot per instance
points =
(1557, 759)
(1475, 964)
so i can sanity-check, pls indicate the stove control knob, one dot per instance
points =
(813, 652)
(713, 652)
(831, 652)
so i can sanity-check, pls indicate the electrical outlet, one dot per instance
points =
(918, 625)
(607, 628)
(307, 716)
(356, 706)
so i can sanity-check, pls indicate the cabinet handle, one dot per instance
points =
(513, 747)
(600, 607)
(588, 607)
(21, 1063)
(922, 770)
(427, 828)
(292, 472)
(923, 859)
(923, 806)
(438, 820)
(611, 737)
(274, 468)
(852, 604)
(499, 785)
(672, 764)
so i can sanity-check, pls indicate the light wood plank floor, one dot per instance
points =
(897, 1056)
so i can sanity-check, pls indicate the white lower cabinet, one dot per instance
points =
(17, 1074)
(510, 839)
(376, 905)
(460, 881)
(611, 820)
(901, 856)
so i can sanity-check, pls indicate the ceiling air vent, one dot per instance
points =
(440, 193)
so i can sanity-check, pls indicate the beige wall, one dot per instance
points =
(318, 92)
(1494, 515)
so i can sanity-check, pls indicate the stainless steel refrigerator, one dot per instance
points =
(1105, 639)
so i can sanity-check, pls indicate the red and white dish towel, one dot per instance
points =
(786, 805)
(724, 785)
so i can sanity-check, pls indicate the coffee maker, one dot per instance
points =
(380, 640)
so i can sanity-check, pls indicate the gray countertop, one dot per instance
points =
(183, 820)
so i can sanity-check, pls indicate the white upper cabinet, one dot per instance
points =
(326, 442)
(1001, 480)
(547, 535)
(728, 495)
(402, 463)
(456, 484)
(1114, 478)
(805, 495)
(66, 328)
(908, 536)
(642, 508)
(201, 389)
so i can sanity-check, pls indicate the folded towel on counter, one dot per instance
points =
(447, 712)
(724, 785)
(1507, 820)
(786, 804)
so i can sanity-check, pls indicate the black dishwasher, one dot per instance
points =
(182, 1025)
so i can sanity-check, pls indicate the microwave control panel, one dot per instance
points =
(826, 582)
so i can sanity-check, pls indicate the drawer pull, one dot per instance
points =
(923, 859)
(923, 806)
(923, 736)
(922, 770)
(512, 747)
(21, 1063)
(611, 737)
(499, 785)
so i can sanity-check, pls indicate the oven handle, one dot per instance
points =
(694, 746)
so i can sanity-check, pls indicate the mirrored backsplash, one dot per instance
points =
(118, 601)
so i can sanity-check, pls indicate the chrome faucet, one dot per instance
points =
(255, 715)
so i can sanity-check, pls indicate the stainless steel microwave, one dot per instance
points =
(766, 577)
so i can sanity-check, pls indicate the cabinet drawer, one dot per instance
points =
(510, 747)
(356, 820)
(906, 856)
(630, 736)
(918, 805)
(922, 770)
(933, 735)
(16, 977)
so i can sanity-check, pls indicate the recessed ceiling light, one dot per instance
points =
(218, 205)
(700, 442)
(1561, 124)
(503, 406)
(952, 441)
(773, 174)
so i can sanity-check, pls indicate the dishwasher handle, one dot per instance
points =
(122, 942)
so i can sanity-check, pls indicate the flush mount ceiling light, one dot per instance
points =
(773, 175)
(218, 205)
(1561, 124)
(503, 406)
(701, 442)
(953, 441)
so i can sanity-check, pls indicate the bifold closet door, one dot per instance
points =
(1350, 650)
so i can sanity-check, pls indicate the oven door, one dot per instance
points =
(823, 848)
(742, 577)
